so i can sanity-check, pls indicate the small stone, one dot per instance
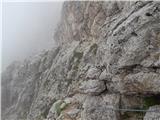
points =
(73, 113)
(68, 100)
(93, 73)
(105, 76)
(63, 105)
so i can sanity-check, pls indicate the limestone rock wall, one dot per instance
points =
(107, 58)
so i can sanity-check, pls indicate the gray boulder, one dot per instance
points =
(100, 108)
(151, 115)
(92, 87)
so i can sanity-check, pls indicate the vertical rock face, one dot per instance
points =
(107, 58)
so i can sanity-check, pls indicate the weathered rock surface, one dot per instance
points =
(142, 82)
(153, 115)
(97, 108)
(93, 73)
(92, 87)
(107, 55)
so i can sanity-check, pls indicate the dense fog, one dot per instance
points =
(28, 28)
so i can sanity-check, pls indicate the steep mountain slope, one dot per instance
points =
(107, 59)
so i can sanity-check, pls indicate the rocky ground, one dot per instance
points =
(107, 60)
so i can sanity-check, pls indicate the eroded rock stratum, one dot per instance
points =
(107, 57)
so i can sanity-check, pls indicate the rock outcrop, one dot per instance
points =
(107, 60)
(153, 115)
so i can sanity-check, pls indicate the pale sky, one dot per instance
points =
(27, 28)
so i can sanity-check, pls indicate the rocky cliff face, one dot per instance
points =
(107, 60)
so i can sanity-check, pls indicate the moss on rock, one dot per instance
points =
(93, 48)
(58, 107)
(77, 56)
